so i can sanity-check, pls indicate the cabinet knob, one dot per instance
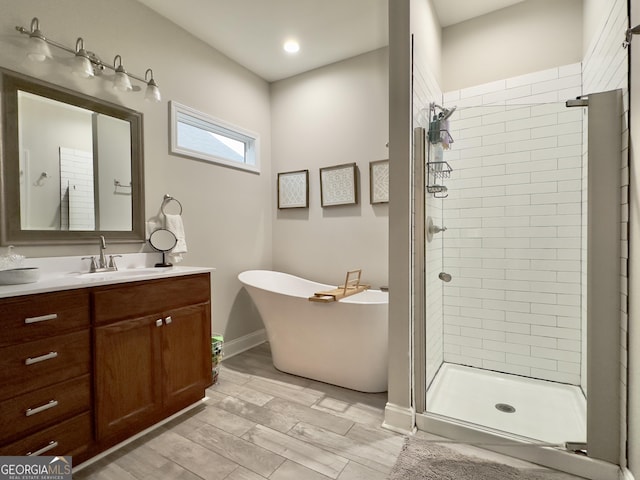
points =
(159, 322)
(168, 320)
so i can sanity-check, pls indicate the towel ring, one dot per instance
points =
(167, 199)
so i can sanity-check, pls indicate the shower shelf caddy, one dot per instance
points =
(438, 136)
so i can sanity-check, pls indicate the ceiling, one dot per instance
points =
(252, 32)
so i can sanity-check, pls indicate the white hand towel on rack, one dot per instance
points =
(174, 224)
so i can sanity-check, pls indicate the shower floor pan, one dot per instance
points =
(537, 409)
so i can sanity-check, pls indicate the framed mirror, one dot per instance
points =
(71, 166)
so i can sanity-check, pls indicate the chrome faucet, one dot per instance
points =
(101, 264)
(102, 261)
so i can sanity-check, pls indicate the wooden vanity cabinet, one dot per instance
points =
(45, 381)
(152, 352)
(82, 370)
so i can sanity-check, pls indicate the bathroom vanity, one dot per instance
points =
(99, 359)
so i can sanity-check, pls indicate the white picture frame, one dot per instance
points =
(379, 181)
(293, 189)
(338, 185)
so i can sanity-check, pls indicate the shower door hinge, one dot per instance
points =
(628, 35)
(626, 449)
(576, 447)
(580, 101)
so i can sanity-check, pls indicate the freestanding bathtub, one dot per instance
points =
(343, 343)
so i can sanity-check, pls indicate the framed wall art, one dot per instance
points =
(338, 185)
(379, 181)
(293, 189)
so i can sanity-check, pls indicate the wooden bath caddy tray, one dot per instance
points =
(351, 287)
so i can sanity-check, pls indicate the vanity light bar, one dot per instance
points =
(87, 64)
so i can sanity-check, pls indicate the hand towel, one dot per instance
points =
(174, 224)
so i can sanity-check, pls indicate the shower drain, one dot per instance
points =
(505, 408)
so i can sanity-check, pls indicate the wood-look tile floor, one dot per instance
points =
(260, 423)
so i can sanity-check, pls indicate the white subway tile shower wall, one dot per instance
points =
(425, 91)
(76, 190)
(513, 216)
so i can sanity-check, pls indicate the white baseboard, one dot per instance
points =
(239, 345)
(399, 419)
(625, 474)
(138, 435)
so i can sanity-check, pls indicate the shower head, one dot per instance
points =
(447, 112)
(444, 112)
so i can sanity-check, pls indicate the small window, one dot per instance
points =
(198, 135)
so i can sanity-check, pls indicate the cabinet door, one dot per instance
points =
(186, 355)
(127, 377)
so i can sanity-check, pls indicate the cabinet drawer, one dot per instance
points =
(137, 299)
(41, 408)
(33, 365)
(24, 319)
(70, 437)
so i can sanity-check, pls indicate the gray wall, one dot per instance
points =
(227, 212)
(330, 116)
(527, 37)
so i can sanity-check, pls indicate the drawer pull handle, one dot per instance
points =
(159, 322)
(52, 444)
(41, 318)
(168, 320)
(41, 358)
(41, 408)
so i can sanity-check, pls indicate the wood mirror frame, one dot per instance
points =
(11, 231)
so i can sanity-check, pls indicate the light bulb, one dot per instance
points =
(152, 93)
(81, 64)
(121, 82)
(38, 49)
(291, 46)
(82, 67)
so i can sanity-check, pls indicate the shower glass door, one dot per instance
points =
(505, 263)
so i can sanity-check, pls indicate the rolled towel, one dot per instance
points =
(174, 224)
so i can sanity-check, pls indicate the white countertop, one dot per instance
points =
(67, 273)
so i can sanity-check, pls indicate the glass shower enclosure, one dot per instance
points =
(510, 290)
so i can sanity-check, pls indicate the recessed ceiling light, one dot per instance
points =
(291, 46)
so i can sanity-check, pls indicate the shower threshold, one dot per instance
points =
(537, 409)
